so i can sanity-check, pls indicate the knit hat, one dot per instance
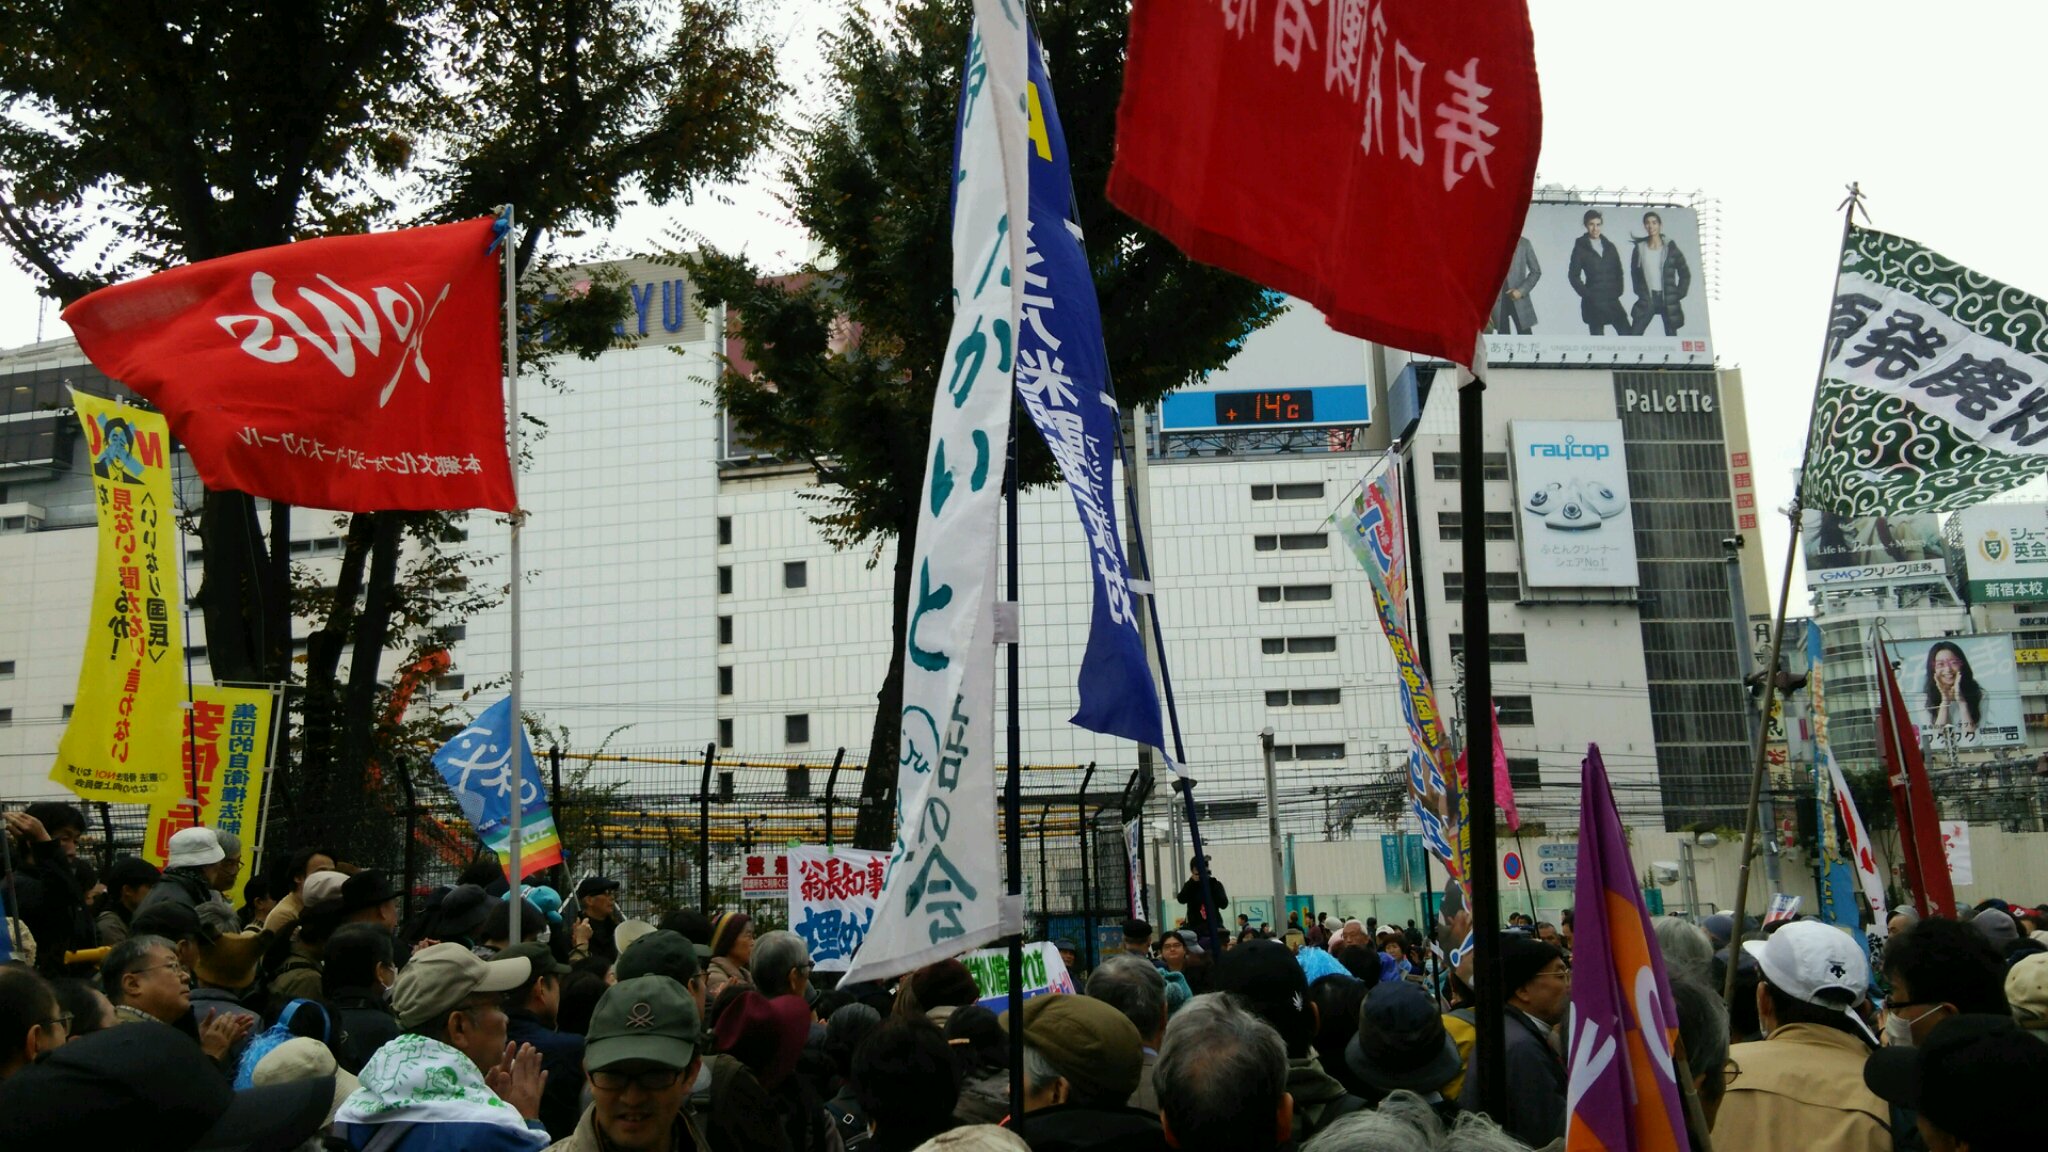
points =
(946, 984)
(766, 1035)
(2026, 990)
(463, 910)
(726, 929)
(659, 953)
(1088, 1042)
(230, 961)
(1401, 1041)
(1521, 958)
(194, 848)
(1998, 926)
(365, 889)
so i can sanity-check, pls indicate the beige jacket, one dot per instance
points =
(1798, 1090)
(721, 971)
(586, 1139)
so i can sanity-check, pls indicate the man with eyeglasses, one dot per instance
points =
(449, 1079)
(1537, 983)
(147, 984)
(30, 1021)
(640, 1059)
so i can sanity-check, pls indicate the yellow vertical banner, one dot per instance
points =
(220, 773)
(122, 742)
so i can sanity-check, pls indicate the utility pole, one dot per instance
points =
(1279, 912)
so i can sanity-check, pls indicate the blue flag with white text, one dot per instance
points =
(1063, 380)
(477, 764)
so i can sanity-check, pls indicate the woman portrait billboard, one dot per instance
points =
(1962, 690)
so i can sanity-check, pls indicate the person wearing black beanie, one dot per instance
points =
(1536, 982)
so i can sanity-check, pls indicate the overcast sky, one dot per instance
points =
(1768, 109)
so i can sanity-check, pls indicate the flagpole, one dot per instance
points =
(1849, 205)
(1482, 879)
(1013, 797)
(518, 735)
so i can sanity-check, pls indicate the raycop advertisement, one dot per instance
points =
(1571, 492)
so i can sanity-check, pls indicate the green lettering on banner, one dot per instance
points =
(928, 601)
(942, 478)
(1034, 970)
(979, 476)
(995, 251)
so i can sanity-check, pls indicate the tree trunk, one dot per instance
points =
(874, 825)
(231, 591)
(323, 662)
(373, 627)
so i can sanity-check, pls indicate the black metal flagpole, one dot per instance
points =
(1482, 879)
(1013, 797)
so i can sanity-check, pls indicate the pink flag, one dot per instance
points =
(1503, 787)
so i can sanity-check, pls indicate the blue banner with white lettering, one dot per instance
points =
(477, 764)
(1063, 380)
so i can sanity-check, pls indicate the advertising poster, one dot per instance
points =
(1603, 284)
(1572, 501)
(1849, 550)
(222, 759)
(1962, 689)
(123, 738)
(2005, 551)
(832, 897)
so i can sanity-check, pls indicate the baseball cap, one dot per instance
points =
(645, 1018)
(1811, 961)
(1959, 1080)
(2026, 990)
(625, 934)
(321, 887)
(440, 977)
(194, 847)
(1086, 1041)
(595, 886)
(660, 953)
(365, 889)
(304, 1058)
(151, 1078)
(1272, 982)
(1401, 1041)
(539, 955)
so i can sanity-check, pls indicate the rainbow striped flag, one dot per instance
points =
(477, 764)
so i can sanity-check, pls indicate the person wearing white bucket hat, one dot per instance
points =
(188, 869)
(1801, 1087)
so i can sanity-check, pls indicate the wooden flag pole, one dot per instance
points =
(1850, 205)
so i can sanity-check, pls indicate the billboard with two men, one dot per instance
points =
(1603, 284)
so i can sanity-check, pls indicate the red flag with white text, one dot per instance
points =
(1373, 159)
(359, 373)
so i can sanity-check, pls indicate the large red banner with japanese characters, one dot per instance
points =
(357, 373)
(1372, 158)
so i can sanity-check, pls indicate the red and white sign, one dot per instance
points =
(765, 875)
(1955, 841)
(359, 373)
(1373, 159)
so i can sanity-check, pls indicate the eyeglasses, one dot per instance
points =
(652, 1080)
(1564, 973)
(63, 1021)
(183, 972)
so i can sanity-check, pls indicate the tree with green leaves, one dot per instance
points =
(846, 352)
(135, 138)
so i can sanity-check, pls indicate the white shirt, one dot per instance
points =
(1653, 266)
(1599, 245)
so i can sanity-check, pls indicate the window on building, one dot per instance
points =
(1308, 751)
(725, 679)
(1304, 490)
(1262, 491)
(1492, 465)
(725, 529)
(454, 535)
(67, 711)
(1450, 525)
(195, 555)
(1305, 542)
(725, 733)
(1297, 645)
(450, 633)
(450, 683)
(1302, 697)
(725, 579)
(6, 669)
(6, 717)
(725, 629)
(1508, 647)
(796, 783)
(195, 652)
(796, 574)
(1269, 594)
(1500, 525)
(1515, 711)
(1305, 593)
(796, 729)
(1273, 646)
(1525, 774)
(1265, 543)
(1500, 586)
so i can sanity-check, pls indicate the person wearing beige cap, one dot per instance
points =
(304, 1058)
(2026, 990)
(1082, 1060)
(299, 976)
(450, 1078)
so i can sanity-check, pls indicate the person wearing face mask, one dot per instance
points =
(356, 982)
(1938, 969)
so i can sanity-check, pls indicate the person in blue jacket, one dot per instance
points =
(449, 1081)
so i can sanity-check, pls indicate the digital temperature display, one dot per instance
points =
(1295, 406)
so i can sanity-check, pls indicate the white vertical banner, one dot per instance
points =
(1857, 847)
(942, 893)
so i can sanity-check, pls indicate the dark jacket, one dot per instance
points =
(51, 904)
(363, 1023)
(1536, 1084)
(299, 979)
(181, 886)
(1318, 1098)
(210, 1002)
(746, 1117)
(1191, 904)
(1597, 279)
(1674, 282)
(561, 1057)
(1079, 1128)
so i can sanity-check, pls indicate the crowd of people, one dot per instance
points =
(143, 1008)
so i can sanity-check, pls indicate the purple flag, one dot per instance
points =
(1624, 1092)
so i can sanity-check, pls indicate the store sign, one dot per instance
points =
(1667, 400)
(1571, 489)
(2030, 655)
(2005, 551)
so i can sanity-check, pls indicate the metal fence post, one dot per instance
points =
(1087, 886)
(412, 816)
(704, 831)
(831, 782)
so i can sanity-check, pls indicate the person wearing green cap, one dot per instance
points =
(640, 1058)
